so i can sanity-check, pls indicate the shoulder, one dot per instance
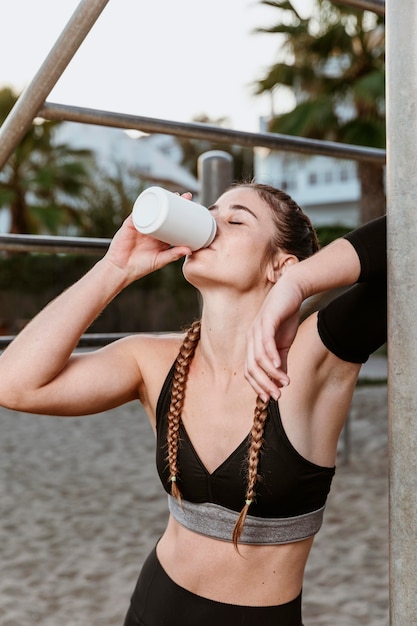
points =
(155, 351)
(154, 354)
(158, 343)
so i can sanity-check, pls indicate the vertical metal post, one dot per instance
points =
(29, 103)
(215, 173)
(402, 292)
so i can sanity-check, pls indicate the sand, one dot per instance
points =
(81, 506)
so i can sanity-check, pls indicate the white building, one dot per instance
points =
(156, 157)
(327, 189)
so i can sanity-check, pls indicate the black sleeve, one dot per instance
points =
(370, 243)
(354, 324)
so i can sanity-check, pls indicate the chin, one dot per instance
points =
(194, 273)
(192, 261)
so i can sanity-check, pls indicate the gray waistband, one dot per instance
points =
(218, 522)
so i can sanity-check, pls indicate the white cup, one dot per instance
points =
(173, 219)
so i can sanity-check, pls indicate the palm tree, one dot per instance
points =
(109, 200)
(42, 180)
(334, 64)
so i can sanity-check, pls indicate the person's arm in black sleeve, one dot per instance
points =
(370, 243)
(354, 324)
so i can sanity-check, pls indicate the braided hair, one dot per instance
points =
(295, 235)
(181, 369)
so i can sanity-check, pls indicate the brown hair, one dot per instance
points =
(182, 367)
(294, 232)
(295, 235)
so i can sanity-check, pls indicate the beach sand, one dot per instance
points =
(81, 506)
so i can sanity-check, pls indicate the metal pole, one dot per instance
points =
(31, 100)
(87, 340)
(215, 173)
(52, 243)
(402, 307)
(195, 130)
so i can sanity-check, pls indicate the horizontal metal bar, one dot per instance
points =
(87, 340)
(25, 110)
(196, 130)
(42, 243)
(100, 339)
(377, 6)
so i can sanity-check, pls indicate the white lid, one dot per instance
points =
(147, 209)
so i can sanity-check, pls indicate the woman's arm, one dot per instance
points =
(360, 256)
(39, 373)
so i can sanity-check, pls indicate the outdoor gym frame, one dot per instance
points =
(401, 156)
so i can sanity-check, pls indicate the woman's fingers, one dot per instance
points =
(264, 369)
(171, 255)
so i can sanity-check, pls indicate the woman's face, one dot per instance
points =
(236, 257)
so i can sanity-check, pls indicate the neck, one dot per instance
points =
(223, 334)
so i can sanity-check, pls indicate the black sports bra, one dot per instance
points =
(289, 485)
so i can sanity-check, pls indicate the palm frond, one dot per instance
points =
(315, 119)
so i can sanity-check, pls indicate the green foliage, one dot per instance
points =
(334, 63)
(308, 118)
(31, 273)
(332, 60)
(327, 234)
(41, 181)
(108, 200)
(158, 302)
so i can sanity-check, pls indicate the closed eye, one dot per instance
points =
(234, 222)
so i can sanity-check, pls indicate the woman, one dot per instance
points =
(244, 508)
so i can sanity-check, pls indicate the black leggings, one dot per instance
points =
(159, 601)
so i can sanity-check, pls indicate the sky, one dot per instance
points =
(167, 59)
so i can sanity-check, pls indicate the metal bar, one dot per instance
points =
(376, 6)
(86, 341)
(26, 108)
(42, 243)
(100, 339)
(215, 173)
(195, 130)
(402, 306)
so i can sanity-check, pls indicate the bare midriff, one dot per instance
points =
(255, 576)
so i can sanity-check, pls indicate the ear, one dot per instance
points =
(279, 264)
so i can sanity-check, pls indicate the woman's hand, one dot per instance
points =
(138, 255)
(270, 338)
